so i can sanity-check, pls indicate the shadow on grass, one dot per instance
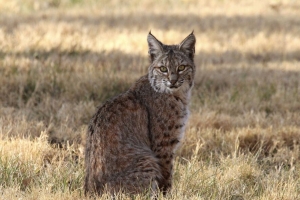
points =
(233, 91)
(113, 72)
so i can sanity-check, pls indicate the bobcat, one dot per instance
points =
(132, 138)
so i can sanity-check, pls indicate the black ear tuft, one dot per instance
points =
(155, 46)
(188, 45)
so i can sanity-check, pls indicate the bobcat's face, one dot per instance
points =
(171, 72)
(172, 68)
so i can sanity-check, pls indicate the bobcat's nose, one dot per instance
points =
(173, 79)
(173, 82)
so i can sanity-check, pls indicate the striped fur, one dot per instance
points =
(132, 138)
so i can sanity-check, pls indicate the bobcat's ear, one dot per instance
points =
(188, 45)
(155, 46)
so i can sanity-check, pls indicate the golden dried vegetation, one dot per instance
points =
(59, 60)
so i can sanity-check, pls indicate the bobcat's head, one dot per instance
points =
(172, 67)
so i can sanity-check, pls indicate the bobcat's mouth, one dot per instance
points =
(173, 86)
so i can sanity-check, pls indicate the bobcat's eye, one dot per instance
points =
(181, 68)
(163, 69)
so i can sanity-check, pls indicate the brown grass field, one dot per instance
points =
(59, 60)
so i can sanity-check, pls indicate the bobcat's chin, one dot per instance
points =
(181, 89)
(173, 88)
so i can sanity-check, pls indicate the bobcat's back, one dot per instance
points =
(132, 138)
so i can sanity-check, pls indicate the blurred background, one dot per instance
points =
(59, 60)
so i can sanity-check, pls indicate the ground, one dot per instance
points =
(59, 60)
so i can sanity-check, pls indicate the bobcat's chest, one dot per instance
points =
(168, 125)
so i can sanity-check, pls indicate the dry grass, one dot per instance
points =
(61, 59)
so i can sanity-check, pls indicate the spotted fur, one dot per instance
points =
(132, 138)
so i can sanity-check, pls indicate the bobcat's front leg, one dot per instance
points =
(167, 171)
